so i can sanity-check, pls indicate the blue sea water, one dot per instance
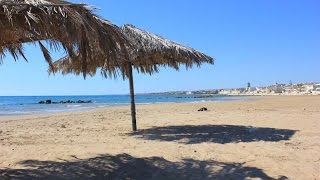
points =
(23, 105)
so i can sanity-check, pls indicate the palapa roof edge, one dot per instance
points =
(147, 53)
(149, 43)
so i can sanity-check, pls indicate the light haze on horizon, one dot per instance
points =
(261, 42)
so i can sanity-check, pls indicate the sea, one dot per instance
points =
(25, 105)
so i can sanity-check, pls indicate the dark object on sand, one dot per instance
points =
(203, 109)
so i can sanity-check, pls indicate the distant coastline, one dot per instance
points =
(273, 90)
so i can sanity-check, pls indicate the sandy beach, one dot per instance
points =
(263, 138)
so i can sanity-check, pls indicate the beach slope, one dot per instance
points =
(266, 138)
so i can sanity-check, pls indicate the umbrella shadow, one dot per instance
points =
(124, 166)
(222, 134)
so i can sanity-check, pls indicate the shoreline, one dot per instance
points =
(94, 106)
(269, 137)
(99, 109)
(127, 106)
(75, 107)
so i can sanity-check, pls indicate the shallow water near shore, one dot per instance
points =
(24, 105)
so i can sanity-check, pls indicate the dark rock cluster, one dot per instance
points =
(200, 96)
(63, 102)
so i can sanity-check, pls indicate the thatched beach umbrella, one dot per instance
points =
(72, 27)
(147, 54)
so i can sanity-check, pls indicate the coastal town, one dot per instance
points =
(248, 90)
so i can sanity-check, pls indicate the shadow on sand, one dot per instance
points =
(221, 134)
(124, 166)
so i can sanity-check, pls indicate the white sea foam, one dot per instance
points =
(12, 113)
(144, 103)
(74, 106)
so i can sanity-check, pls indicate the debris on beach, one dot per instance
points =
(203, 109)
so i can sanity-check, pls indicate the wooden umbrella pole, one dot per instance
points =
(133, 105)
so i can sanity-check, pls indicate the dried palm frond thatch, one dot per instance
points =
(150, 51)
(72, 27)
(147, 53)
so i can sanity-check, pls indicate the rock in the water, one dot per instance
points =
(63, 102)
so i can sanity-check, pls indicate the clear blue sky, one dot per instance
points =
(261, 42)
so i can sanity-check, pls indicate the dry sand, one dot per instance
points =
(264, 138)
